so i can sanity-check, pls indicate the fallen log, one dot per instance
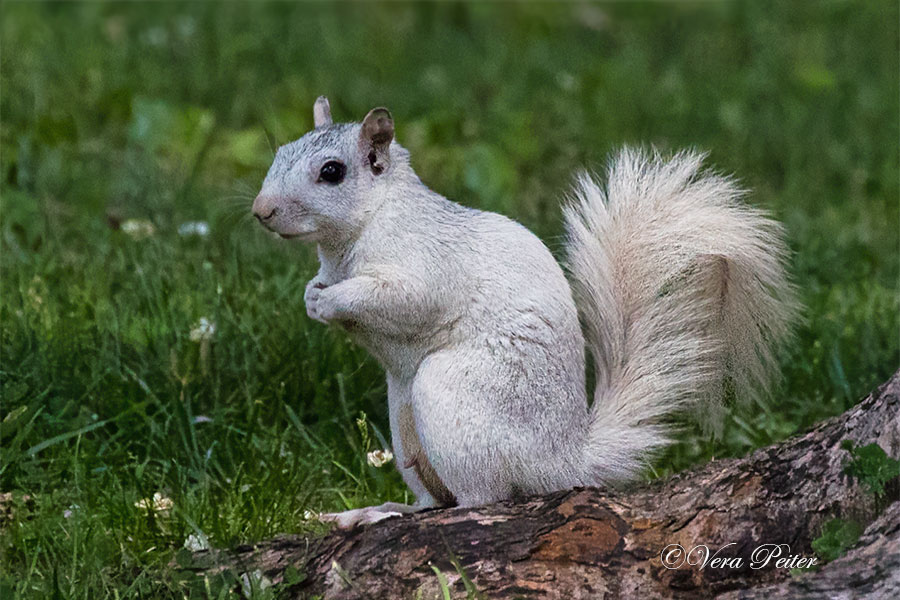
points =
(645, 542)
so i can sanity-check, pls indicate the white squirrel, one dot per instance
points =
(681, 288)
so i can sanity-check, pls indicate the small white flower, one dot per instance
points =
(379, 458)
(138, 229)
(309, 515)
(203, 330)
(186, 26)
(195, 543)
(254, 580)
(202, 419)
(155, 36)
(198, 228)
(566, 81)
(158, 503)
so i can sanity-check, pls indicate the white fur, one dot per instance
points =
(684, 293)
(680, 285)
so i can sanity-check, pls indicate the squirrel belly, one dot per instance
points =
(679, 287)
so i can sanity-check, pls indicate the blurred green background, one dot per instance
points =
(123, 122)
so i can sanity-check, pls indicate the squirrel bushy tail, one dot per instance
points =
(684, 296)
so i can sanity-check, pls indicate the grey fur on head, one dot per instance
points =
(297, 201)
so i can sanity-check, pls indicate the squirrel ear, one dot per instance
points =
(321, 112)
(375, 138)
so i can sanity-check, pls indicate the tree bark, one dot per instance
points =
(588, 543)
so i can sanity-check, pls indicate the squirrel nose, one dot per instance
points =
(263, 209)
(266, 217)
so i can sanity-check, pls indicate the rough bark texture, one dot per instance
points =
(870, 570)
(587, 543)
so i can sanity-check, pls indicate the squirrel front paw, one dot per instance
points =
(312, 300)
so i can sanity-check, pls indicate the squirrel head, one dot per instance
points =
(322, 186)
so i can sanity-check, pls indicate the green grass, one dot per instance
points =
(167, 112)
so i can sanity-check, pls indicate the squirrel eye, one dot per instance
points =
(332, 172)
